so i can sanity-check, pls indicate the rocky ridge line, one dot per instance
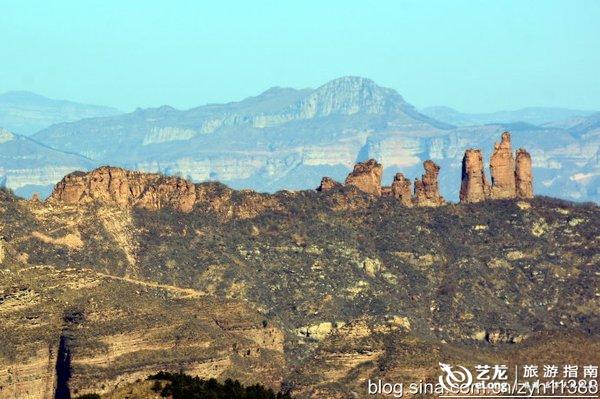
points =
(511, 178)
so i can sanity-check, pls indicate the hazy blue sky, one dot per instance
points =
(471, 55)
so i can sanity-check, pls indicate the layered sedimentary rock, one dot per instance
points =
(366, 176)
(502, 168)
(427, 189)
(474, 187)
(327, 183)
(401, 189)
(523, 175)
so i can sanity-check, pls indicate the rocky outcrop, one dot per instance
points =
(427, 189)
(366, 176)
(502, 168)
(153, 191)
(401, 189)
(474, 187)
(126, 188)
(327, 184)
(523, 175)
(511, 175)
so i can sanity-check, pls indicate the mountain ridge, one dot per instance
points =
(287, 138)
(532, 115)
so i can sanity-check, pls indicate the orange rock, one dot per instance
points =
(427, 189)
(126, 188)
(366, 176)
(523, 175)
(502, 167)
(327, 183)
(474, 186)
(401, 189)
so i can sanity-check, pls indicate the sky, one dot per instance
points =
(475, 56)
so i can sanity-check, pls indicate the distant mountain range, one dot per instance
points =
(288, 139)
(25, 113)
(532, 115)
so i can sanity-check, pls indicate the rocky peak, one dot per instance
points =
(427, 189)
(502, 168)
(350, 95)
(366, 176)
(474, 187)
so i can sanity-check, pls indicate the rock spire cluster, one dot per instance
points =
(511, 175)
(511, 178)
(366, 176)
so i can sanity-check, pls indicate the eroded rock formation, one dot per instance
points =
(474, 187)
(502, 168)
(401, 189)
(327, 184)
(427, 189)
(366, 176)
(523, 175)
(511, 175)
(153, 191)
(126, 188)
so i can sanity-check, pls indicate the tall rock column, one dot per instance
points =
(401, 189)
(523, 175)
(427, 189)
(474, 187)
(366, 176)
(502, 167)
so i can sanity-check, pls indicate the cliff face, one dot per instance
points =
(366, 176)
(474, 186)
(127, 189)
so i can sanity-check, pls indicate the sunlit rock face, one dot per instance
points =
(474, 187)
(523, 175)
(427, 189)
(366, 176)
(502, 167)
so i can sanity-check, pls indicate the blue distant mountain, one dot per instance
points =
(25, 113)
(531, 115)
(30, 167)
